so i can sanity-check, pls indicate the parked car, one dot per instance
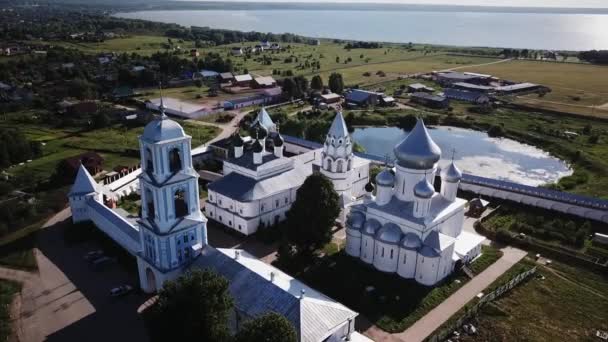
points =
(93, 255)
(121, 290)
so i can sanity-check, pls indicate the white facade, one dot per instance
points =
(259, 185)
(348, 173)
(408, 228)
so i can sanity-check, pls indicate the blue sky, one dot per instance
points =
(522, 3)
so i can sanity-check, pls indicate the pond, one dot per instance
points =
(475, 153)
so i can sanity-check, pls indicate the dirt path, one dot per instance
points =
(425, 326)
(227, 129)
(584, 287)
(479, 65)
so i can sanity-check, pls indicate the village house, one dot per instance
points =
(226, 77)
(330, 98)
(243, 80)
(236, 51)
(419, 88)
(264, 82)
(430, 100)
(466, 96)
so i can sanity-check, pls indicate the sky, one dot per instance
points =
(518, 3)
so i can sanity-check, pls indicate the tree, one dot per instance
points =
(316, 83)
(194, 307)
(290, 87)
(312, 215)
(270, 327)
(101, 120)
(198, 83)
(336, 84)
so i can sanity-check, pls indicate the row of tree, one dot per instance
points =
(594, 56)
(197, 306)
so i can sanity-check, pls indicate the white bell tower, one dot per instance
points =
(172, 227)
(337, 157)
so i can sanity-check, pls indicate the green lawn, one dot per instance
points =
(489, 255)
(7, 291)
(570, 304)
(140, 44)
(393, 305)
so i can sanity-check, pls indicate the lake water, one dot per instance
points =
(553, 31)
(476, 153)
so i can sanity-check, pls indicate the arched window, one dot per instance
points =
(149, 160)
(150, 204)
(328, 166)
(339, 166)
(175, 161)
(181, 207)
(350, 166)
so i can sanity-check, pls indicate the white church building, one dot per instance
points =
(170, 237)
(260, 183)
(408, 228)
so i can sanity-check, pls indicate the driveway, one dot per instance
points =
(66, 301)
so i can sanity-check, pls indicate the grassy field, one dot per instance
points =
(569, 304)
(112, 143)
(7, 291)
(143, 45)
(575, 87)
(395, 303)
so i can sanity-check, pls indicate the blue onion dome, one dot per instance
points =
(355, 220)
(428, 252)
(278, 140)
(162, 129)
(257, 146)
(385, 178)
(369, 187)
(371, 227)
(424, 189)
(389, 233)
(452, 174)
(258, 131)
(411, 241)
(237, 140)
(418, 150)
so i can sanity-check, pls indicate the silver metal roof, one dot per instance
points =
(438, 241)
(314, 315)
(264, 119)
(385, 178)
(417, 150)
(428, 252)
(355, 220)
(389, 233)
(452, 174)
(245, 189)
(338, 127)
(424, 189)
(411, 241)
(162, 129)
(371, 227)
(84, 183)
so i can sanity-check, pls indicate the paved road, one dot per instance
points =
(434, 319)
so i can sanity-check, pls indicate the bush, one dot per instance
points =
(503, 235)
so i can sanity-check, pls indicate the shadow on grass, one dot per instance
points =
(386, 300)
(18, 253)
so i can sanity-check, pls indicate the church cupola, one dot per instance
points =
(423, 191)
(450, 178)
(238, 143)
(385, 182)
(258, 151)
(259, 131)
(278, 143)
(417, 157)
(337, 150)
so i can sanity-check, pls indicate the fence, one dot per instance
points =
(445, 332)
